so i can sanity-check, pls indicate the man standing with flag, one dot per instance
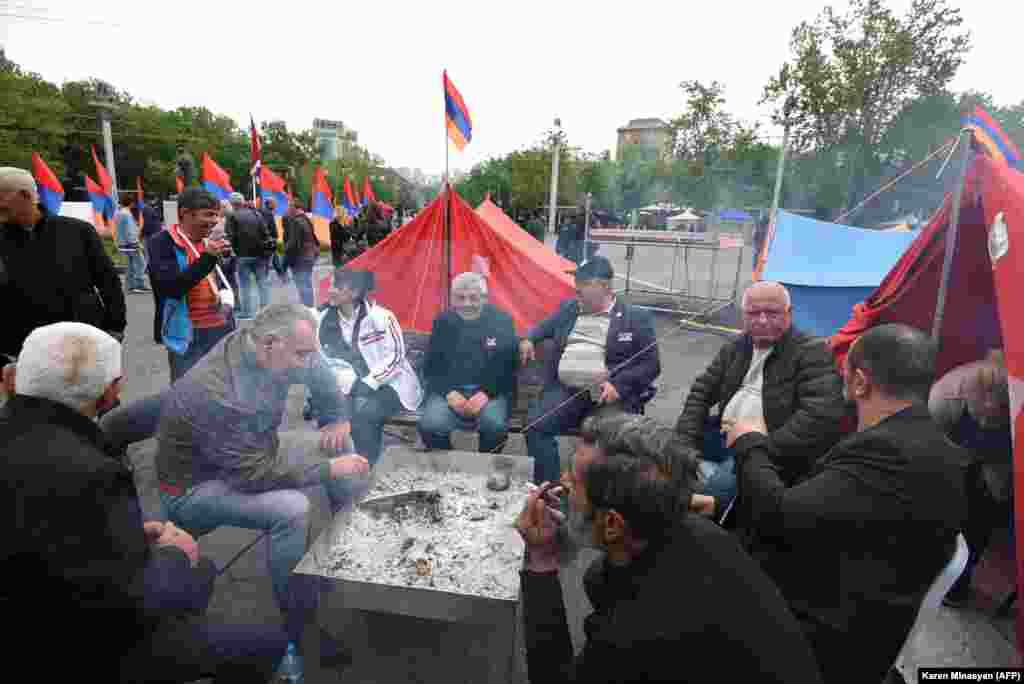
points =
(52, 268)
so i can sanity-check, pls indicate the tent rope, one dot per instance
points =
(945, 146)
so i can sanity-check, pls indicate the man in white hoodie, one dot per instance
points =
(363, 342)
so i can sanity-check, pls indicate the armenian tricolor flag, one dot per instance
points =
(272, 187)
(102, 207)
(322, 204)
(456, 114)
(255, 151)
(106, 187)
(989, 135)
(368, 195)
(51, 192)
(349, 201)
(216, 179)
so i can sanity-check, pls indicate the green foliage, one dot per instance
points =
(32, 119)
(63, 123)
(853, 75)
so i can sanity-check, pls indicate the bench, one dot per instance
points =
(529, 383)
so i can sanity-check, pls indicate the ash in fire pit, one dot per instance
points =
(462, 540)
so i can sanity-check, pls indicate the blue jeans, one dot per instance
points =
(259, 268)
(302, 270)
(135, 278)
(203, 340)
(282, 513)
(717, 467)
(438, 421)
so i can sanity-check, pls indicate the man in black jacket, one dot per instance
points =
(470, 369)
(774, 373)
(122, 596)
(669, 584)
(253, 242)
(52, 268)
(301, 250)
(855, 545)
(181, 267)
(602, 344)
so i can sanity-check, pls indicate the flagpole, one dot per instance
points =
(447, 211)
(952, 231)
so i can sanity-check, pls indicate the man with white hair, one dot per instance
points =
(772, 373)
(76, 548)
(470, 369)
(52, 268)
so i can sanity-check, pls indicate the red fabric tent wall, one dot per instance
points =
(982, 311)
(409, 267)
(1002, 199)
(908, 294)
(540, 252)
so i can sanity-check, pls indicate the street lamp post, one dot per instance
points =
(553, 203)
(105, 103)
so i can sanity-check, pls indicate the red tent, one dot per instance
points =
(981, 311)
(412, 280)
(501, 222)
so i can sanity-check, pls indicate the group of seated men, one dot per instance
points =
(851, 530)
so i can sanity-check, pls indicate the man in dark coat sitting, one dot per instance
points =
(773, 373)
(606, 359)
(118, 596)
(669, 583)
(857, 543)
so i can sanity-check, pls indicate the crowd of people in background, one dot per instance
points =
(798, 507)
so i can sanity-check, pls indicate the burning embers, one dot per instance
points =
(445, 531)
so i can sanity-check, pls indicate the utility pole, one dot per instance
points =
(105, 104)
(586, 228)
(553, 203)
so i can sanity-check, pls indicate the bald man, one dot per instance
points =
(774, 374)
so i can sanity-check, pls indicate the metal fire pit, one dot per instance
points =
(463, 568)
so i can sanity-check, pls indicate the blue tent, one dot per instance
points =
(734, 215)
(828, 268)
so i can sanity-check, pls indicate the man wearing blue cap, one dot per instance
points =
(606, 358)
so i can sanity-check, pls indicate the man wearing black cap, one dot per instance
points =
(603, 345)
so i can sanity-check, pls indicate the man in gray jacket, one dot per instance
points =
(221, 461)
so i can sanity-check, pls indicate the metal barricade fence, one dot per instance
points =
(692, 274)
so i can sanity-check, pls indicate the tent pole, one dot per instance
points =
(952, 232)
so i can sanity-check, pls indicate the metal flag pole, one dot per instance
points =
(952, 232)
(446, 234)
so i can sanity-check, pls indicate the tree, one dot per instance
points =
(32, 114)
(852, 73)
(704, 125)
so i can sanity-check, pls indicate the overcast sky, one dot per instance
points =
(377, 65)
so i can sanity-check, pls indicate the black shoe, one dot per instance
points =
(333, 653)
(960, 595)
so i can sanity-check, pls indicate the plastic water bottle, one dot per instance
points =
(290, 669)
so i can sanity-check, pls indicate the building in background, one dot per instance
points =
(333, 138)
(646, 132)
